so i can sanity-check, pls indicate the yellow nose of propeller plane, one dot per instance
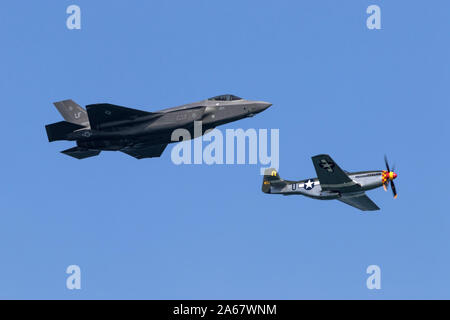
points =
(389, 175)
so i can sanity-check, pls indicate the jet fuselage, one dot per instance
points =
(158, 128)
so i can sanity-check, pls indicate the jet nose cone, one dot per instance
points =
(263, 105)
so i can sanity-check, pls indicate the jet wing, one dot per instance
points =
(145, 151)
(360, 201)
(104, 112)
(81, 153)
(331, 176)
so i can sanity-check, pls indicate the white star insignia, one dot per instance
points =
(309, 184)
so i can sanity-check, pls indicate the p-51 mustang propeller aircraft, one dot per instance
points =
(138, 133)
(333, 183)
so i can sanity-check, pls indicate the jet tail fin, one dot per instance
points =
(60, 130)
(271, 178)
(72, 112)
(81, 153)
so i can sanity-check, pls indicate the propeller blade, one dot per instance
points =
(394, 191)
(386, 162)
(384, 187)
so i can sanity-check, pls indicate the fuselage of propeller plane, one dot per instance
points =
(332, 183)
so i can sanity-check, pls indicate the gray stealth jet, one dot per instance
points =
(333, 183)
(141, 134)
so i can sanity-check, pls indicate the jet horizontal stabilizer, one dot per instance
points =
(60, 130)
(81, 153)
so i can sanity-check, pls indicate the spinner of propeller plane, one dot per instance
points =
(333, 183)
(388, 175)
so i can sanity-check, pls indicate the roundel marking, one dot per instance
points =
(308, 185)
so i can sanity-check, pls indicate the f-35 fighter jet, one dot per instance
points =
(333, 183)
(141, 134)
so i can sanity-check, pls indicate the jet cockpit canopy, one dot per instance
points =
(225, 97)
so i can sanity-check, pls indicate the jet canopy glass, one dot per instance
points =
(225, 97)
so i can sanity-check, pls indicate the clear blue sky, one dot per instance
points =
(150, 229)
